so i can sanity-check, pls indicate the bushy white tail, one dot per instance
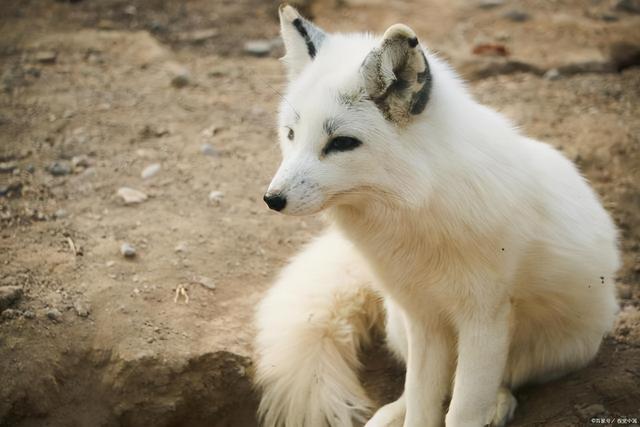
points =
(311, 325)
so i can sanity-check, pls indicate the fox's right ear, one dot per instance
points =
(301, 38)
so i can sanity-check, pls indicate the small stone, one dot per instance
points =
(205, 281)
(110, 264)
(46, 57)
(60, 168)
(54, 315)
(552, 74)
(81, 161)
(9, 295)
(11, 189)
(82, 308)
(198, 36)
(150, 170)
(10, 313)
(258, 47)
(60, 214)
(216, 197)
(28, 314)
(181, 247)
(631, 6)
(208, 150)
(127, 250)
(7, 167)
(131, 10)
(180, 75)
(131, 196)
(517, 16)
(490, 4)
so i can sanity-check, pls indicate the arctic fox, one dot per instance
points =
(491, 258)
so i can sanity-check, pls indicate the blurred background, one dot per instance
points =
(137, 139)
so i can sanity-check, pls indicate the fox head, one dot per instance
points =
(347, 122)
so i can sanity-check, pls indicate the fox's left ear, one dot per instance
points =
(301, 38)
(396, 75)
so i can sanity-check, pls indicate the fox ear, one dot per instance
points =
(396, 75)
(301, 38)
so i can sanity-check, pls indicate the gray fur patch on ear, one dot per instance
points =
(397, 76)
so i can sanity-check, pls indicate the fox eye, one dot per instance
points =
(341, 143)
(290, 135)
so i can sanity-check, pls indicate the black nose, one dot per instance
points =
(277, 201)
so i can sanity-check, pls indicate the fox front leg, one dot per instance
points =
(428, 372)
(483, 345)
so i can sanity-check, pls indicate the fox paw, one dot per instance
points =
(390, 415)
(505, 408)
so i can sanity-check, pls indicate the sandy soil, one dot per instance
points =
(95, 92)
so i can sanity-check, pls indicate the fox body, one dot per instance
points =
(483, 254)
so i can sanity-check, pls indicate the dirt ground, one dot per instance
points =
(94, 93)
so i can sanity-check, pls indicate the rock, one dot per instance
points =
(258, 47)
(204, 281)
(181, 247)
(127, 250)
(131, 196)
(54, 315)
(490, 49)
(9, 295)
(631, 6)
(28, 314)
(82, 308)
(8, 167)
(198, 36)
(216, 197)
(60, 214)
(11, 189)
(552, 74)
(208, 150)
(490, 4)
(81, 161)
(517, 16)
(180, 75)
(10, 313)
(46, 57)
(60, 168)
(150, 170)
(149, 131)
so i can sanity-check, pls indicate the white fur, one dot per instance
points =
(488, 248)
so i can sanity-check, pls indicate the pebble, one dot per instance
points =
(490, 4)
(28, 314)
(552, 74)
(60, 213)
(150, 170)
(127, 250)
(60, 168)
(54, 315)
(205, 281)
(258, 47)
(81, 161)
(216, 197)
(180, 75)
(517, 15)
(9, 295)
(208, 150)
(82, 308)
(632, 6)
(198, 36)
(46, 57)
(131, 196)
(7, 167)
(181, 247)
(10, 313)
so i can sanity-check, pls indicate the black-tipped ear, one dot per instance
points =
(301, 38)
(396, 75)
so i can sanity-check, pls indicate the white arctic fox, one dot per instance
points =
(494, 258)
